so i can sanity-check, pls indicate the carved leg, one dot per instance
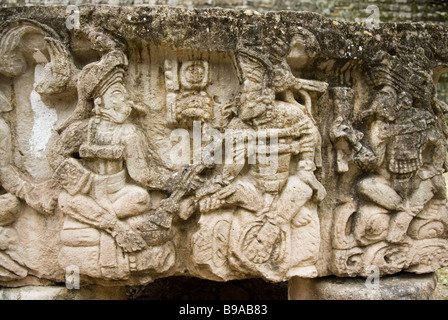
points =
(401, 221)
(296, 193)
(130, 201)
(378, 190)
(305, 243)
(11, 264)
(86, 210)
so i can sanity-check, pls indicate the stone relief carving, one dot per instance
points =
(96, 191)
(400, 192)
(135, 156)
(258, 234)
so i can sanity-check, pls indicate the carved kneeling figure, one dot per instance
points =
(93, 160)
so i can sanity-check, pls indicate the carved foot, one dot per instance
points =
(398, 227)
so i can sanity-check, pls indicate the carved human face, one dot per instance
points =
(115, 104)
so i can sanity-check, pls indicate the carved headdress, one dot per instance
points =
(94, 80)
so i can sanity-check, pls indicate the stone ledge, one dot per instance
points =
(63, 293)
(403, 286)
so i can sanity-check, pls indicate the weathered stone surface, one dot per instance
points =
(62, 293)
(355, 10)
(396, 287)
(142, 143)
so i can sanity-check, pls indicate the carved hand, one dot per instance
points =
(127, 238)
(303, 218)
(319, 192)
(48, 196)
(210, 203)
(311, 85)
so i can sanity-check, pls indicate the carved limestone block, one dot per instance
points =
(148, 142)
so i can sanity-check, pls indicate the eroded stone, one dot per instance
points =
(148, 142)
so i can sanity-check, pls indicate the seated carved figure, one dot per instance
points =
(408, 177)
(92, 161)
(273, 229)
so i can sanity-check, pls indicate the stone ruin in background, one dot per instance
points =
(149, 142)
